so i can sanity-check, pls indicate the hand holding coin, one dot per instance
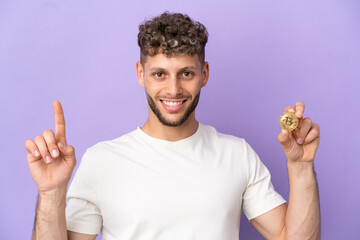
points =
(299, 136)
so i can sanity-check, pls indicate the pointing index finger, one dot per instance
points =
(59, 122)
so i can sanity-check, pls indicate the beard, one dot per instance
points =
(167, 122)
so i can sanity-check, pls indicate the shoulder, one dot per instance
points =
(228, 142)
(210, 132)
(113, 145)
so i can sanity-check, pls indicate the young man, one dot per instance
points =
(173, 178)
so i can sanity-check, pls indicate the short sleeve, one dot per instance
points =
(259, 196)
(82, 212)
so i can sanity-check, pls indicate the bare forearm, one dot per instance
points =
(303, 212)
(50, 220)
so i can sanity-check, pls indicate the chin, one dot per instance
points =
(171, 121)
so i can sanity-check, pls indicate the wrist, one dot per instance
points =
(300, 166)
(54, 198)
(302, 172)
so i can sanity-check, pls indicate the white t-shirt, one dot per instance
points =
(137, 187)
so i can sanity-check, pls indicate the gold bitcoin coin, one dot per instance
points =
(288, 121)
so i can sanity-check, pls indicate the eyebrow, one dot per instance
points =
(163, 69)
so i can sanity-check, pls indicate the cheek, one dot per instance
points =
(196, 86)
(150, 86)
(154, 91)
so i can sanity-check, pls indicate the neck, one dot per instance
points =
(154, 128)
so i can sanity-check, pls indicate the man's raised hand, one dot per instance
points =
(51, 161)
(300, 145)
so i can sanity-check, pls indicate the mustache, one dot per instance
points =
(182, 96)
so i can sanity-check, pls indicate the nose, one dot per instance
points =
(174, 88)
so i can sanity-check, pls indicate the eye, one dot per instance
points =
(158, 74)
(188, 74)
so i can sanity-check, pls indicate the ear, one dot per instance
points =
(140, 73)
(205, 74)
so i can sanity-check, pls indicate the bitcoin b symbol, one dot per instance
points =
(288, 120)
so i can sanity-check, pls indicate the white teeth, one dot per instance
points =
(171, 104)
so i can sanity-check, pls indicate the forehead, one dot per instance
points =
(172, 62)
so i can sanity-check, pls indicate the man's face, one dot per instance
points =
(172, 86)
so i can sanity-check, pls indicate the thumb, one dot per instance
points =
(284, 139)
(68, 152)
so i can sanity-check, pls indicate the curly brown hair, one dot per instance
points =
(174, 34)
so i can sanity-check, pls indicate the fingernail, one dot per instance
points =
(283, 132)
(36, 153)
(298, 113)
(55, 153)
(48, 159)
(291, 110)
(299, 141)
(62, 145)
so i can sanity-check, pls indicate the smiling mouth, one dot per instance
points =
(172, 103)
(173, 106)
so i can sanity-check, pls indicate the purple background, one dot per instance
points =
(263, 55)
